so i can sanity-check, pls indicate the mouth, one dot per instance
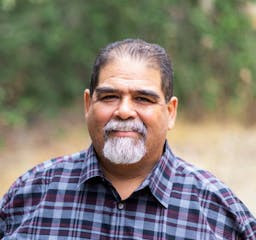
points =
(124, 133)
(132, 129)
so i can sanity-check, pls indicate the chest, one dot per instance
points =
(97, 212)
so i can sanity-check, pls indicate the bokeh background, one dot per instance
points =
(47, 49)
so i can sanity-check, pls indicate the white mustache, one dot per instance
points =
(128, 125)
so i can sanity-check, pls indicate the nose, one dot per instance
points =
(125, 110)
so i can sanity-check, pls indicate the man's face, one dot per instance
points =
(129, 89)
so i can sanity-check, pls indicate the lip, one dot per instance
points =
(121, 133)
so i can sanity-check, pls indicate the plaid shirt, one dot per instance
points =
(69, 198)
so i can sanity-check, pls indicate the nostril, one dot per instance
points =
(125, 111)
(125, 115)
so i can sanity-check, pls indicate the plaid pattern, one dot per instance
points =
(68, 198)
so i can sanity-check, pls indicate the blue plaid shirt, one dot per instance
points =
(69, 198)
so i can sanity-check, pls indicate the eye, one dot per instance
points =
(108, 98)
(144, 100)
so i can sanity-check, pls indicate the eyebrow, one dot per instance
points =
(146, 92)
(100, 90)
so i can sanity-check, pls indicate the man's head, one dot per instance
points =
(130, 106)
(154, 55)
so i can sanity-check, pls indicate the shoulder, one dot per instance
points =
(214, 198)
(36, 180)
(204, 183)
(203, 179)
(188, 174)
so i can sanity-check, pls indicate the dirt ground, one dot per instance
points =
(227, 150)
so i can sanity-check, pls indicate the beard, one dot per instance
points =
(124, 150)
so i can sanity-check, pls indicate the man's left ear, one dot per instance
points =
(172, 109)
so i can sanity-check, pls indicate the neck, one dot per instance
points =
(127, 171)
(126, 178)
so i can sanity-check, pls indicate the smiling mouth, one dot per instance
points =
(125, 133)
(128, 128)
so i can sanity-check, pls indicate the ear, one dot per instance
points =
(172, 110)
(87, 101)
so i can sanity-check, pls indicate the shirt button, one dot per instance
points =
(120, 205)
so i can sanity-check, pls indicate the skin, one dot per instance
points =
(129, 89)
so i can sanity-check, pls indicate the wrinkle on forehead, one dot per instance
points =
(143, 91)
(126, 69)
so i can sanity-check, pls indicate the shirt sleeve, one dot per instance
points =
(228, 216)
(26, 191)
(2, 223)
(247, 224)
(3, 214)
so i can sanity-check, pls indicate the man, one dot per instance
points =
(128, 184)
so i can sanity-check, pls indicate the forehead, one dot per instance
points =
(130, 73)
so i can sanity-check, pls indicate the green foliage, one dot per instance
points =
(48, 47)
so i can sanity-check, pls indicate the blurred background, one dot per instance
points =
(47, 49)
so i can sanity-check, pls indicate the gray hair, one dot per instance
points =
(155, 55)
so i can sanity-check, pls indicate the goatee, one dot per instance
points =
(124, 150)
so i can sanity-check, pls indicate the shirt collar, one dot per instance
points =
(158, 181)
(91, 167)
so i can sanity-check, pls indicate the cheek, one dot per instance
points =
(97, 119)
(156, 122)
(99, 116)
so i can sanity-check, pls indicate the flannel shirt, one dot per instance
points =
(69, 198)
